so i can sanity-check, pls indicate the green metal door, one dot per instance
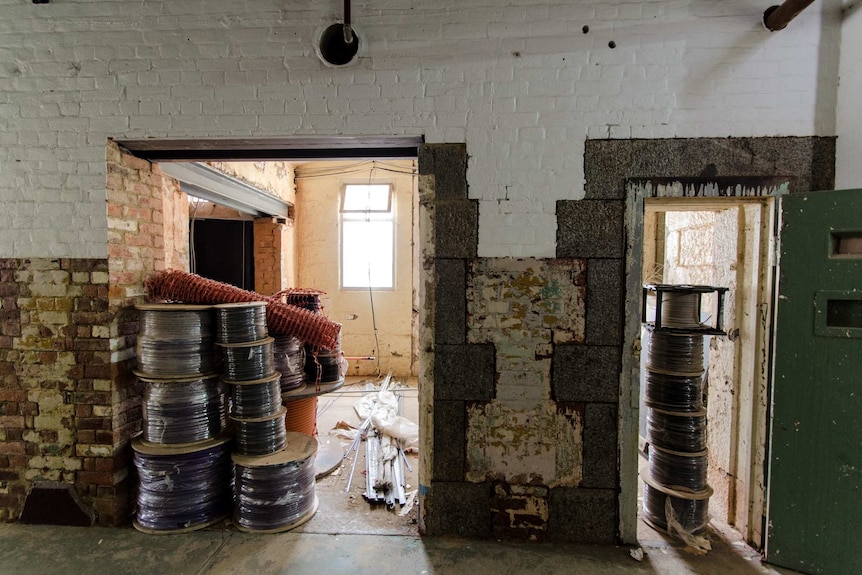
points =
(814, 516)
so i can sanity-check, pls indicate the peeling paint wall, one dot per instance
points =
(318, 241)
(523, 307)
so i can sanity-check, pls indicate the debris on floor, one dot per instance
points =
(388, 436)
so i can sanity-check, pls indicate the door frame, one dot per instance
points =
(673, 192)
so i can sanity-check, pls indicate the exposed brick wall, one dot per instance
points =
(68, 400)
(273, 255)
(56, 398)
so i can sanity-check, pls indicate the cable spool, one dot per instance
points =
(241, 322)
(675, 354)
(175, 340)
(257, 398)
(680, 432)
(673, 392)
(301, 416)
(248, 361)
(184, 410)
(289, 359)
(681, 309)
(260, 435)
(304, 298)
(276, 493)
(685, 471)
(690, 510)
(182, 489)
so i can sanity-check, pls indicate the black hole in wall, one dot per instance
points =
(334, 50)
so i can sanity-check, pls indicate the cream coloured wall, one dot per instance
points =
(318, 239)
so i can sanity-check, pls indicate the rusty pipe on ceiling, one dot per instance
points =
(778, 17)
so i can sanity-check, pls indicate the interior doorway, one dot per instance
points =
(729, 243)
(278, 244)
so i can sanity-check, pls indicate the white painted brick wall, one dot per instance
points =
(519, 81)
(848, 162)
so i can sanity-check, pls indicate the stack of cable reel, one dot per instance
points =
(322, 373)
(247, 356)
(675, 484)
(183, 454)
(274, 470)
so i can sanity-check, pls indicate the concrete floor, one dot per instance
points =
(349, 536)
(42, 550)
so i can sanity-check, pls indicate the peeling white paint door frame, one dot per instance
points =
(757, 233)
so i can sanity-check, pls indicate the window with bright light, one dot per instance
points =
(367, 236)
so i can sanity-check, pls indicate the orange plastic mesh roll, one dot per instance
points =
(281, 318)
(301, 415)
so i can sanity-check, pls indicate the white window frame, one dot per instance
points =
(366, 215)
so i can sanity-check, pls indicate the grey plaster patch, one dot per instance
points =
(464, 372)
(604, 322)
(590, 229)
(459, 508)
(456, 226)
(450, 322)
(450, 430)
(583, 515)
(586, 373)
(808, 161)
(600, 445)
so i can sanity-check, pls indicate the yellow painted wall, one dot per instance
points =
(318, 235)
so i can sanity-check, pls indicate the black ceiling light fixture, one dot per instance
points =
(339, 44)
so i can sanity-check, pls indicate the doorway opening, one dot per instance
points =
(722, 242)
(297, 243)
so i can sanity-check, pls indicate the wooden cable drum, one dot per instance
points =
(183, 410)
(256, 398)
(301, 416)
(241, 322)
(248, 361)
(277, 492)
(689, 509)
(261, 435)
(175, 340)
(182, 488)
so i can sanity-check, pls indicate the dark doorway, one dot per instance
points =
(223, 250)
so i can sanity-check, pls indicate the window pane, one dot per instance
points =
(366, 255)
(363, 198)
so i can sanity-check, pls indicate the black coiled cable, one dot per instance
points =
(175, 340)
(184, 411)
(241, 322)
(274, 496)
(682, 432)
(691, 514)
(289, 359)
(260, 436)
(256, 399)
(322, 366)
(673, 392)
(676, 470)
(248, 361)
(182, 491)
(681, 354)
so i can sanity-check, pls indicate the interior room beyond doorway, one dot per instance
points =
(724, 243)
